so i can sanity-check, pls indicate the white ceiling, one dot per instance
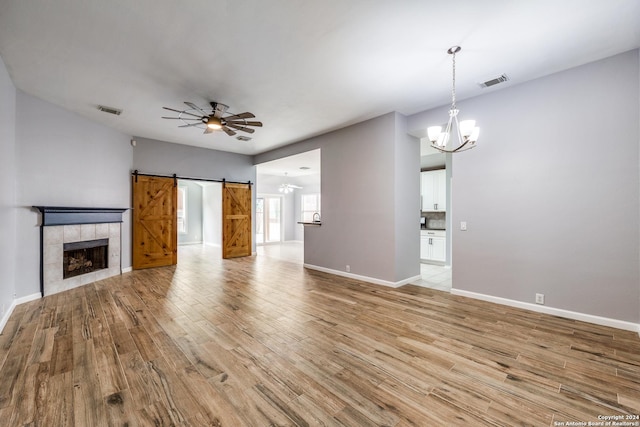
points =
(290, 166)
(302, 67)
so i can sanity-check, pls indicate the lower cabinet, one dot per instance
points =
(433, 245)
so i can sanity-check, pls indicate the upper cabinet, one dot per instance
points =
(434, 190)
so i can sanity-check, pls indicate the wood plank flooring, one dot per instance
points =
(263, 342)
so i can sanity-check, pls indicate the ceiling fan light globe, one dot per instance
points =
(214, 123)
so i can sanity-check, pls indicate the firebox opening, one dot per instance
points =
(85, 257)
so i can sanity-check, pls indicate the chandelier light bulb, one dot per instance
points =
(467, 127)
(433, 132)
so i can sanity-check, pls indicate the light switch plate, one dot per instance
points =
(463, 225)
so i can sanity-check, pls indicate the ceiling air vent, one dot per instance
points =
(493, 82)
(109, 110)
(243, 138)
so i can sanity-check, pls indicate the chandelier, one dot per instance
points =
(466, 131)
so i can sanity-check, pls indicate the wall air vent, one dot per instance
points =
(243, 138)
(109, 110)
(493, 82)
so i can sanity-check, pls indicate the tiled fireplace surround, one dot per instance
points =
(53, 240)
(67, 225)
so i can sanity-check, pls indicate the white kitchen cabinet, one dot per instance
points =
(433, 245)
(425, 250)
(434, 190)
(438, 249)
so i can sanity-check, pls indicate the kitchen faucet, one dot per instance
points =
(316, 217)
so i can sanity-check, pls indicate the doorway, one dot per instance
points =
(269, 218)
(199, 213)
(436, 218)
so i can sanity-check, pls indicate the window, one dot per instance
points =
(269, 219)
(310, 206)
(182, 209)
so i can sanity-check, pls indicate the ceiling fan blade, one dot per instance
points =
(246, 115)
(195, 107)
(190, 125)
(218, 109)
(228, 131)
(181, 118)
(242, 128)
(181, 112)
(244, 123)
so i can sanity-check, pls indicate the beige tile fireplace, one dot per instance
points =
(54, 238)
(78, 246)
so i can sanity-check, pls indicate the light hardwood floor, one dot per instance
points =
(260, 341)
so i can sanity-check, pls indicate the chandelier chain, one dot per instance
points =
(453, 86)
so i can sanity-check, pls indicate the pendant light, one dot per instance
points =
(465, 132)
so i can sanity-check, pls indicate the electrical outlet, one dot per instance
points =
(348, 268)
(540, 299)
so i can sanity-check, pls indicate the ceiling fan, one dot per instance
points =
(288, 188)
(213, 118)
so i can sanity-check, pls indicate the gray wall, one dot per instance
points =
(152, 156)
(407, 207)
(7, 189)
(194, 213)
(212, 214)
(359, 205)
(165, 158)
(551, 193)
(63, 159)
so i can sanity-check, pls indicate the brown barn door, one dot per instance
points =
(155, 238)
(236, 220)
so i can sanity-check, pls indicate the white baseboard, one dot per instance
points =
(574, 315)
(363, 278)
(16, 302)
(127, 269)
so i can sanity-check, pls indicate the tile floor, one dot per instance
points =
(292, 251)
(435, 277)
